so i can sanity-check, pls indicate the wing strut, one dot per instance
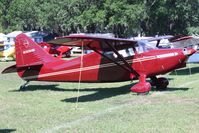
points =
(158, 43)
(125, 62)
(109, 58)
(126, 67)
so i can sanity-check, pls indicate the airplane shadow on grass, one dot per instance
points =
(54, 87)
(98, 93)
(103, 93)
(7, 130)
(186, 71)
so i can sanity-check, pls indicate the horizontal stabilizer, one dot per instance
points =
(15, 68)
(10, 69)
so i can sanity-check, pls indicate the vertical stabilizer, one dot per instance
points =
(28, 53)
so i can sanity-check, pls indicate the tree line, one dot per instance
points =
(124, 18)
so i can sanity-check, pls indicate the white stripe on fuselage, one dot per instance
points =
(100, 66)
(167, 55)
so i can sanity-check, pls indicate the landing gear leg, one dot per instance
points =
(154, 81)
(142, 87)
(160, 83)
(22, 87)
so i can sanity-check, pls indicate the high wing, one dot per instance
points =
(99, 45)
(159, 38)
(95, 42)
(180, 38)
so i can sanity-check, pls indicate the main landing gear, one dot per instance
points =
(160, 83)
(23, 87)
(144, 87)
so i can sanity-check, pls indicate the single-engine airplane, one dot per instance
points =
(59, 51)
(112, 60)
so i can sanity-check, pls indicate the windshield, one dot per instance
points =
(144, 46)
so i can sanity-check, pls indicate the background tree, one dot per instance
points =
(4, 9)
(171, 16)
(124, 18)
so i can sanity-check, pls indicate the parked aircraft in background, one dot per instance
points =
(7, 42)
(185, 42)
(176, 42)
(161, 42)
(58, 51)
(7, 51)
(104, 64)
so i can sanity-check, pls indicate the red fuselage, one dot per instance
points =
(99, 69)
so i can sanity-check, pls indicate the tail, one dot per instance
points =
(28, 53)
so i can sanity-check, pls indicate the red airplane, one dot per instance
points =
(60, 51)
(112, 60)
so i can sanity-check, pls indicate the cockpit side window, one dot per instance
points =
(144, 46)
(124, 53)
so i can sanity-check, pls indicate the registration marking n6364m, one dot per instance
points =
(29, 51)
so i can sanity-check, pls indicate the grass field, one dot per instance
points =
(46, 107)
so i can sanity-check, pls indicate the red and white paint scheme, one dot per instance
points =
(112, 60)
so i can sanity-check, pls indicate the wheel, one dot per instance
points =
(153, 81)
(162, 84)
(22, 88)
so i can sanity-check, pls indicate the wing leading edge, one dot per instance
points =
(98, 43)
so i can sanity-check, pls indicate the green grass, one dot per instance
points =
(103, 107)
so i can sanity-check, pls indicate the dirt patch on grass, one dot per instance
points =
(160, 100)
(181, 100)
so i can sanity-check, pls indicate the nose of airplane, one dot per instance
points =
(188, 51)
